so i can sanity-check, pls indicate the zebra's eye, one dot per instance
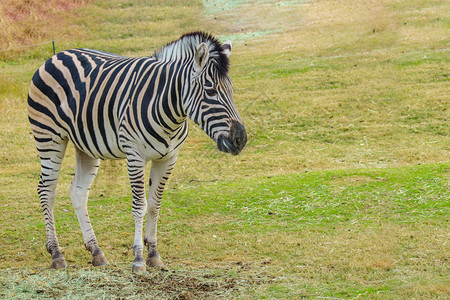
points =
(210, 89)
(211, 92)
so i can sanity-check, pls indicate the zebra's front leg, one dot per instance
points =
(136, 172)
(159, 175)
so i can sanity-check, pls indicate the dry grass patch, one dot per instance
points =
(117, 282)
(28, 22)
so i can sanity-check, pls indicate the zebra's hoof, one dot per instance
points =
(138, 267)
(58, 263)
(155, 262)
(99, 260)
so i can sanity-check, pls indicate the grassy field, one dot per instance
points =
(341, 192)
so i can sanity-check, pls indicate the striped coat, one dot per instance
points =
(114, 107)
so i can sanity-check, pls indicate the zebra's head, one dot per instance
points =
(211, 104)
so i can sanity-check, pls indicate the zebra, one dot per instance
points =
(115, 107)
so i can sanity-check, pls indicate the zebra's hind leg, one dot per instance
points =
(51, 154)
(85, 171)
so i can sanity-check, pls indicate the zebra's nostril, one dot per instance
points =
(238, 135)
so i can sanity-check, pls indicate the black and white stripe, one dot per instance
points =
(113, 107)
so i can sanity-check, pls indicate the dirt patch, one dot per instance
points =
(242, 20)
(189, 285)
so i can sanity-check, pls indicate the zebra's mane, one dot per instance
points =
(186, 45)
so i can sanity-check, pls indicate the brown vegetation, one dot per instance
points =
(29, 22)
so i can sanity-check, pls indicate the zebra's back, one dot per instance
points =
(82, 95)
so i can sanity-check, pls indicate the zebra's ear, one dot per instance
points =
(201, 56)
(226, 48)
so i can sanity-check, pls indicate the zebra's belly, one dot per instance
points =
(95, 143)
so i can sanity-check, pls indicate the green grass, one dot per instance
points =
(342, 190)
(335, 233)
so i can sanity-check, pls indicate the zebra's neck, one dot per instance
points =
(181, 49)
(184, 49)
(169, 94)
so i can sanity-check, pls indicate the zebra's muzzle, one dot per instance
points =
(236, 140)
